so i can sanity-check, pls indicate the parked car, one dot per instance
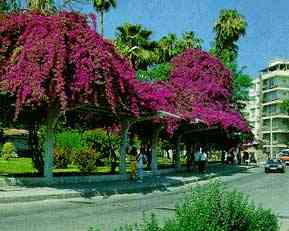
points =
(274, 165)
(284, 156)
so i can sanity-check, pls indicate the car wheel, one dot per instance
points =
(266, 171)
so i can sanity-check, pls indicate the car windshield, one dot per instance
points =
(274, 161)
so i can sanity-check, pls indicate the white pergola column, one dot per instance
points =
(48, 147)
(123, 147)
(155, 142)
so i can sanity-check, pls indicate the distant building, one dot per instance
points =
(253, 112)
(269, 123)
(275, 121)
(254, 117)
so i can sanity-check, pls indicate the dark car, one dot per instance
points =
(274, 165)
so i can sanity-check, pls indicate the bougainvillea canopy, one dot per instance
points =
(202, 86)
(61, 60)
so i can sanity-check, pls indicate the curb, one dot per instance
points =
(96, 192)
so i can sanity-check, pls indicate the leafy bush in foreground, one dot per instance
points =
(211, 208)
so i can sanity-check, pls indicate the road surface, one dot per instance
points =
(107, 213)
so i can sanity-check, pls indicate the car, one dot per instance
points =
(274, 165)
(284, 156)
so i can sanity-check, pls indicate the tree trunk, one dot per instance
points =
(112, 154)
(101, 23)
(155, 141)
(123, 147)
(178, 159)
(33, 142)
(49, 145)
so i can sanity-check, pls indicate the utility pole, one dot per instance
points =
(271, 137)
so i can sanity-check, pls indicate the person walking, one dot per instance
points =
(204, 158)
(141, 158)
(202, 162)
(198, 155)
(133, 155)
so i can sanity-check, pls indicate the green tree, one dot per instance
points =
(229, 28)
(133, 41)
(188, 40)
(103, 6)
(170, 46)
(155, 73)
(9, 5)
(41, 5)
(167, 47)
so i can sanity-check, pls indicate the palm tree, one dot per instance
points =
(133, 41)
(170, 46)
(103, 6)
(41, 5)
(229, 27)
(189, 40)
(166, 47)
(9, 5)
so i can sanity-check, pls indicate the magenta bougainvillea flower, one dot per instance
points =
(60, 60)
(203, 86)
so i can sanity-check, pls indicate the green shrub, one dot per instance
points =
(86, 160)
(70, 139)
(149, 224)
(99, 140)
(61, 157)
(8, 151)
(212, 208)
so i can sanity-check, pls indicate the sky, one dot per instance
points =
(267, 35)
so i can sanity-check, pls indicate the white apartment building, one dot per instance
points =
(269, 122)
(253, 106)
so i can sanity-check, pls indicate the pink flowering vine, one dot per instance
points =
(203, 86)
(61, 60)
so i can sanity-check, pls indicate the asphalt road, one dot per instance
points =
(107, 213)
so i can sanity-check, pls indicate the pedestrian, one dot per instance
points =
(189, 160)
(238, 155)
(141, 159)
(205, 159)
(253, 159)
(197, 157)
(246, 158)
(148, 153)
(133, 155)
(202, 161)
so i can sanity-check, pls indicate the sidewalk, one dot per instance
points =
(12, 194)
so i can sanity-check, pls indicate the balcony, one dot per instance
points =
(276, 114)
(269, 87)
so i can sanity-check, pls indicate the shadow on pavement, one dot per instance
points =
(150, 184)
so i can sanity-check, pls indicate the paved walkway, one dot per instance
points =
(10, 194)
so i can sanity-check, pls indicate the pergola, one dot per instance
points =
(58, 63)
